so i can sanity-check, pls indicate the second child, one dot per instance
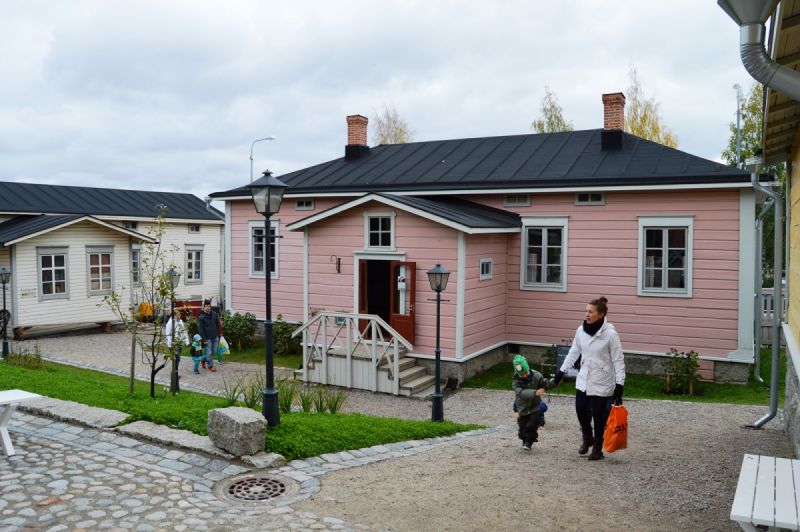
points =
(529, 386)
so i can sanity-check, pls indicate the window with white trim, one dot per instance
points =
(194, 228)
(133, 226)
(99, 261)
(544, 254)
(379, 231)
(136, 264)
(590, 198)
(665, 256)
(517, 200)
(485, 269)
(194, 263)
(304, 205)
(53, 270)
(257, 248)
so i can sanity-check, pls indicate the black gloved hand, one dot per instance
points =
(618, 394)
(559, 377)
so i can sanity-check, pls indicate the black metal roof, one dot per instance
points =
(467, 213)
(29, 198)
(22, 226)
(548, 160)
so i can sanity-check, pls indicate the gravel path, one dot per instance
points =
(679, 472)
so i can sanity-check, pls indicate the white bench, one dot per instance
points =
(766, 493)
(9, 400)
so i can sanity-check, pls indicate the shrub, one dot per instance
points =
(253, 391)
(318, 399)
(306, 397)
(239, 329)
(282, 335)
(334, 400)
(232, 390)
(682, 372)
(26, 359)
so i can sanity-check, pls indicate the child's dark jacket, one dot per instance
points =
(525, 389)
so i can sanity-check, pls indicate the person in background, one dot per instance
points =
(181, 336)
(196, 350)
(601, 378)
(208, 329)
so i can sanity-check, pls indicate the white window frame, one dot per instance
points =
(590, 201)
(136, 273)
(665, 222)
(131, 225)
(194, 228)
(544, 223)
(259, 224)
(99, 250)
(488, 275)
(194, 248)
(52, 251)
(305, 204)
(369, 216)
(516, 200)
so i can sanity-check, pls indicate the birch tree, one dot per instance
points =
(643, 115)
(552, 115)
(390, 127)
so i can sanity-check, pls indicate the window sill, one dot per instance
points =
(684, 295)
(543, 288)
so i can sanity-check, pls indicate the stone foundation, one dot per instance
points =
(791, 406)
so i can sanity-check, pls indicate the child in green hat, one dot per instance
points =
(529, 386)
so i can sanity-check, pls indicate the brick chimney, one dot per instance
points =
(613, 121)
(614, 111)
(356, 137)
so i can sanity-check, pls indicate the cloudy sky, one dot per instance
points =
(169, 95)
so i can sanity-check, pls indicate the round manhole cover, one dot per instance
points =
(258, 488)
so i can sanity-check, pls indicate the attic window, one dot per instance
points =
(517, 200)
(304, 205)
(590, 198)
(130, 225)
(194, 228)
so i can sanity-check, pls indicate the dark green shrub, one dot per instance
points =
(682, 371)
(239, 329)
(282, 337)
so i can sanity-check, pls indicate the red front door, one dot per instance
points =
(402, 290)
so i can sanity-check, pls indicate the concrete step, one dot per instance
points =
(411, 373)
(425, 393)
(404, 363)
(415, 385)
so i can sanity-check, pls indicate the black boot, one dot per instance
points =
(597, 451)
(588, 441)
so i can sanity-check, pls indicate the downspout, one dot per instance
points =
(777, 314)
(758, 295)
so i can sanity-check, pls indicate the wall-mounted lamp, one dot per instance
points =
(338, 261)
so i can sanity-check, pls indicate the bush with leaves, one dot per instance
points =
(682, 372)
(282, 336)
(239, 329)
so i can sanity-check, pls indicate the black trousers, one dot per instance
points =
(592, 408)
(529, 427)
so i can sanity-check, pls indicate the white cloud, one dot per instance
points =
(169, 95)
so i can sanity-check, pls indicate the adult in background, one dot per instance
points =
(181, 336)
(601, 378)
(208, 329)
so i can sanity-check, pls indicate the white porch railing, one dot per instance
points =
(328, 331)
(768, 302)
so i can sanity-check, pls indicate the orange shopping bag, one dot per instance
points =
(616, 434)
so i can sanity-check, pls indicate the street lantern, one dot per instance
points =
(5, 277)
(267, 193)
(174, 278)
(437, 277)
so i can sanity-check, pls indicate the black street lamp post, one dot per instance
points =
(267, 193)
(438, 276)
(174, 384)
(5, 277)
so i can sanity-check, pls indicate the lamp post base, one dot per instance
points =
(437, 407)
(270, 408)
(5, 348)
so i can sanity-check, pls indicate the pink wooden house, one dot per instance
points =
(531, 227)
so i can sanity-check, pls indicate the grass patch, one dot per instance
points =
(300, 435)
(498, 377)
(255, 355)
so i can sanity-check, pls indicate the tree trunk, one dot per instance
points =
(133, 359)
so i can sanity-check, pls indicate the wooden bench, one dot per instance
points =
(8, 401)
(768, 493)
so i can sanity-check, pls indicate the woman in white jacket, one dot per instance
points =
(602, 375)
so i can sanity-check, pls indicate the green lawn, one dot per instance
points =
(255, 355)
(498, 377)
(299, 435)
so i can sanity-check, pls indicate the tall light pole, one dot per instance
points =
(175, 345)
(5, 277)
(251, 153)
(437, 277)
(267, 193)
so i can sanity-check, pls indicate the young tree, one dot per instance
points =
(643, 116)
(391, 128)
(552, 118)
(751, 120)
(155, 293)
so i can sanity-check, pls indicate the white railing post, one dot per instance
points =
(396, 371)
(349, 344)
(305, 355)
(324, 369)
(373, 353)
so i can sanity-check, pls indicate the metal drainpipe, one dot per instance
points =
(758, 295)
(777, 314)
